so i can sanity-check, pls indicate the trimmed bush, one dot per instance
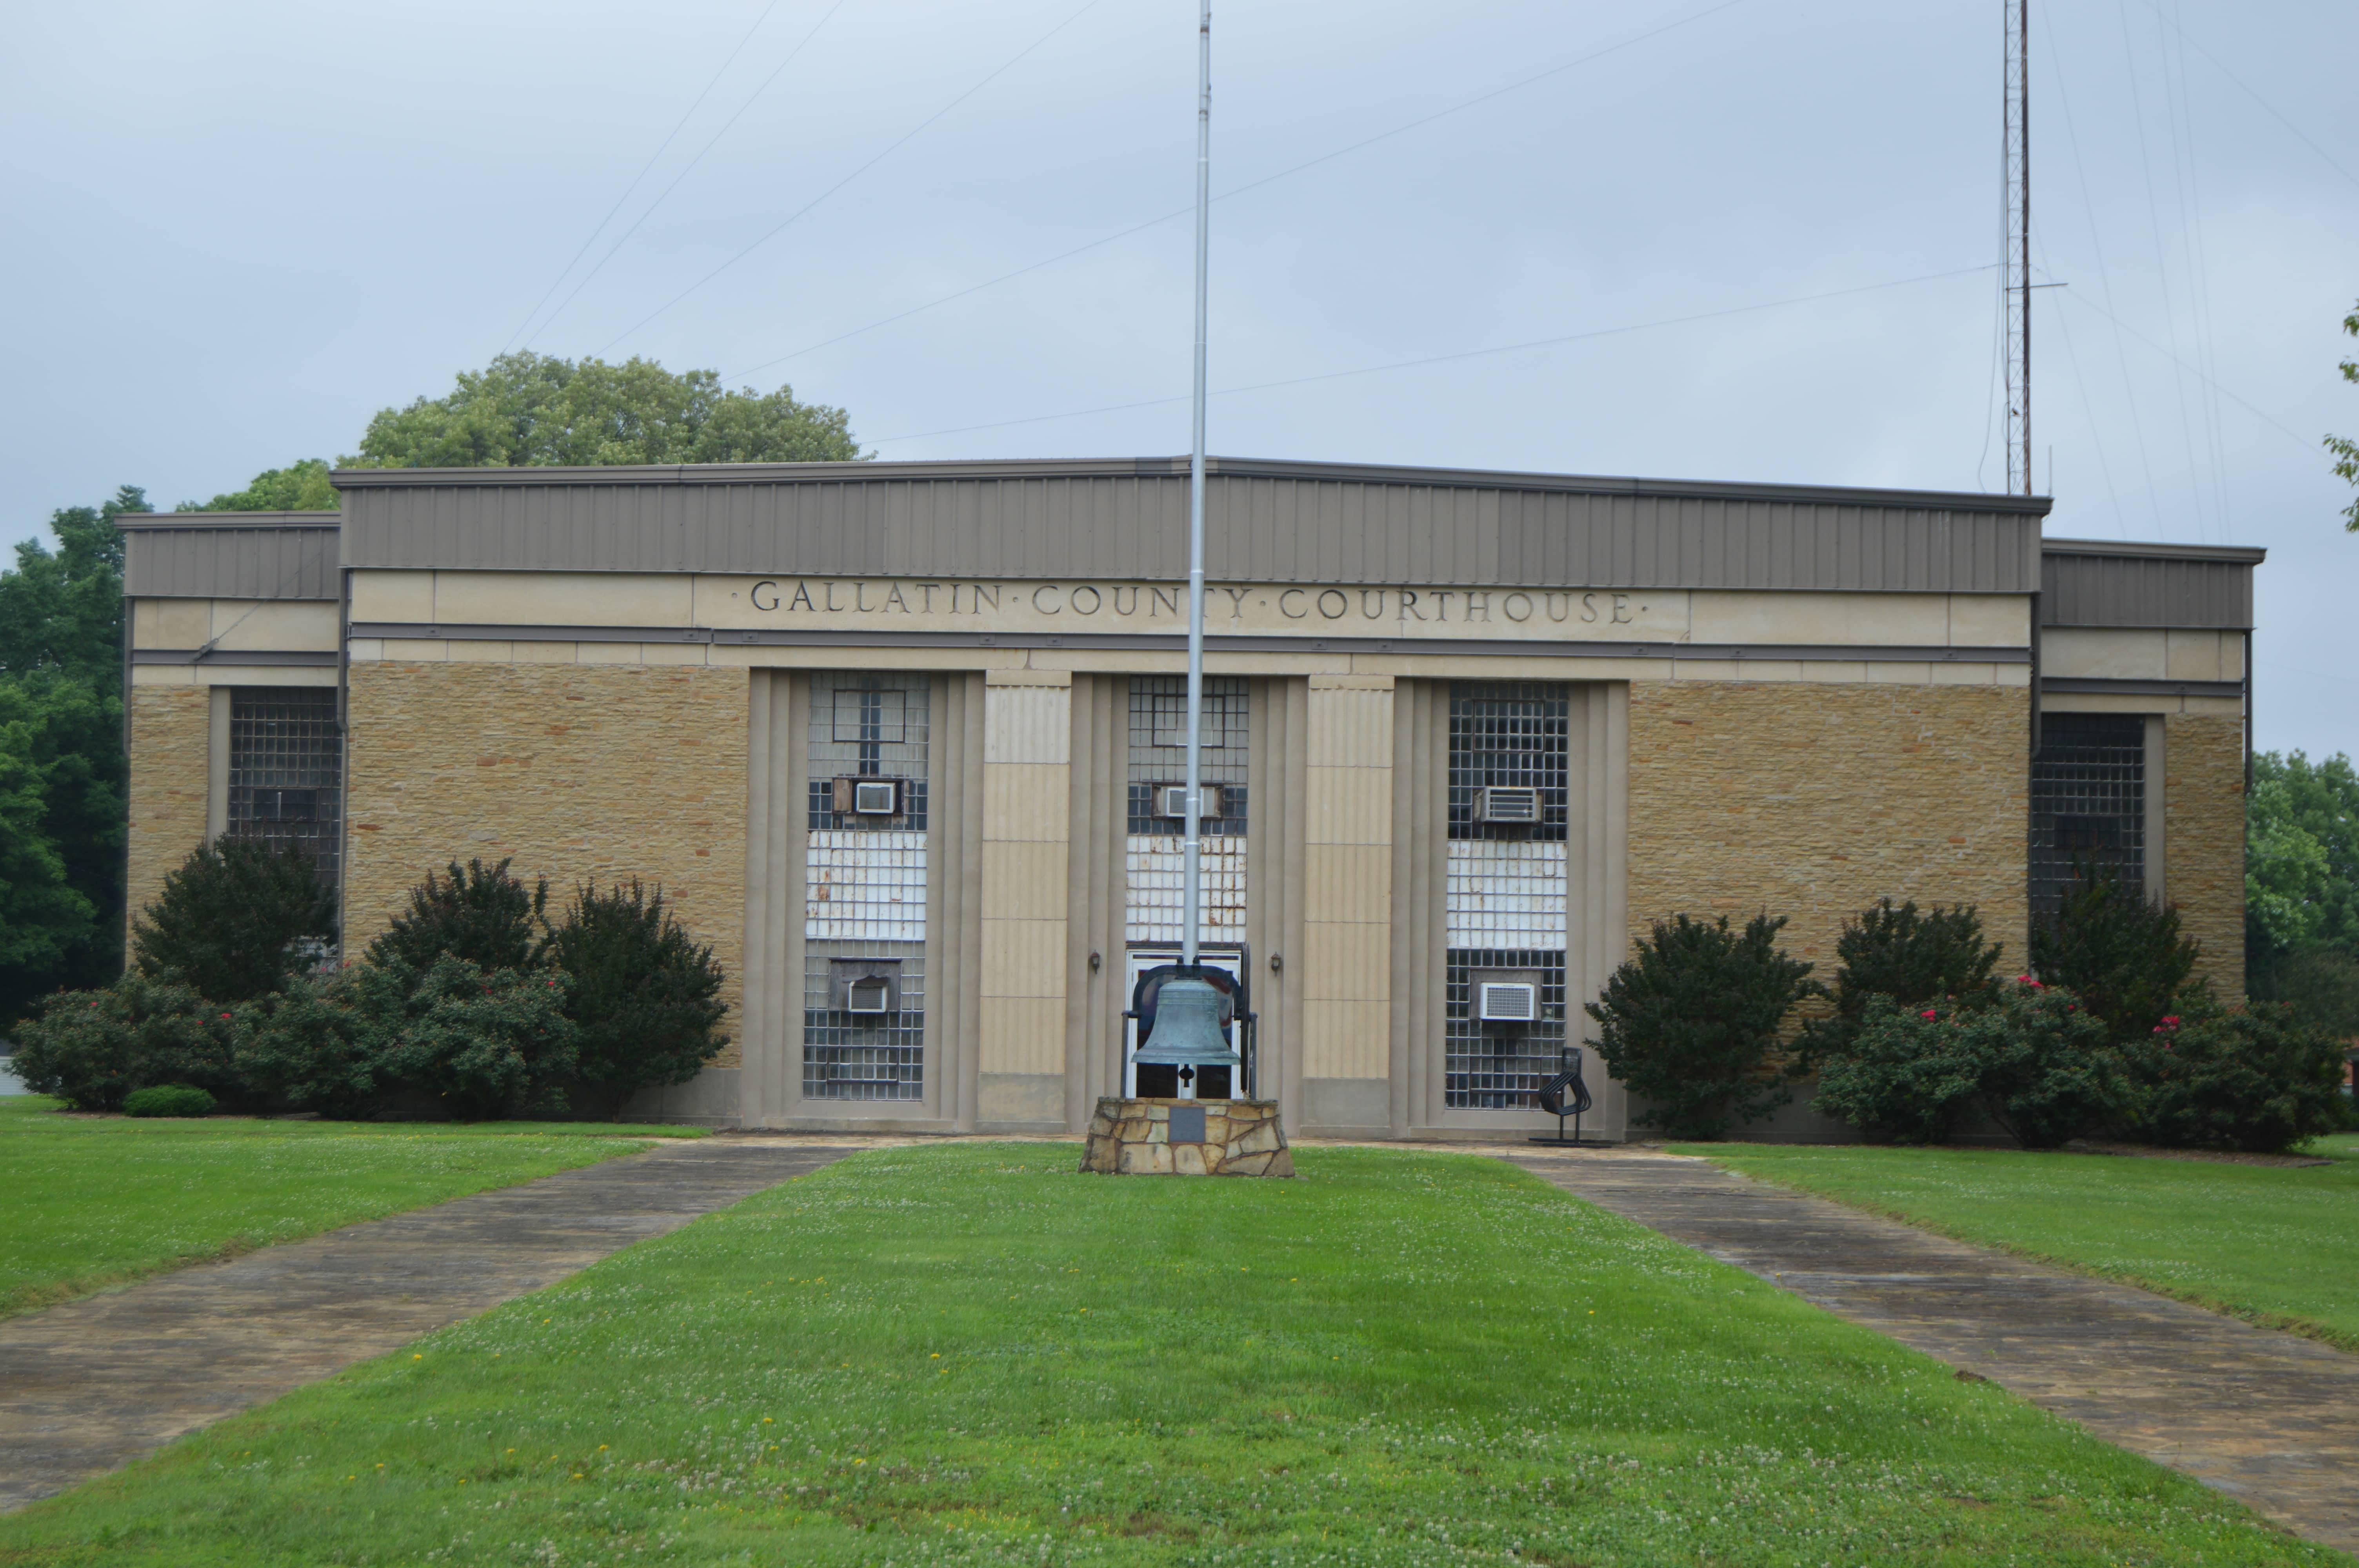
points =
(2032, 1059)
(168, 1099)
(1911, 958)
(1688, 1024)
(2259, 1079)
(318, 1044)
(645, 1000)
(92, 1049)
(481, 1045)
(239, 920)
(2122, 955)
(486, 917)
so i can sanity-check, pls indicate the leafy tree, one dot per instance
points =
(234, 921)
(2301, 850)
(2346, 453)
(1688, 1023)
(529, 410)
(645, 998)
(61, 764)
(2122, 955)
(299, 487)
(480, 915)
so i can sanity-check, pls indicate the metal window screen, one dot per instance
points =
(2088, 803)
(1506, 893)
(286, 771)
(1155, 857)
(866, 881)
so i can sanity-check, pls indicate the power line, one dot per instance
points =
(1239, 190)
(2303, 441)
(652, 158)
(1445, 358)
(781, 228)
(792, 55)
(2255, 97)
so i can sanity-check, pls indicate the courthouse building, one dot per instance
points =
(895, 738)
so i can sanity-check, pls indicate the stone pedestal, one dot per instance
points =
(1139, 1138)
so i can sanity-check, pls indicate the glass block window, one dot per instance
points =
(1155, 853)
(286, 771)
(2088, 802)
(1506, 886)
(1491, 1066)
(865, 886)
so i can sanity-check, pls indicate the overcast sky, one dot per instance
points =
(238, 230)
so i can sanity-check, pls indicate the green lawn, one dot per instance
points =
(2273, 1244)
(968, 1353)
(86, 1202)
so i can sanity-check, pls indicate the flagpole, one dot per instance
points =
(1192, 900)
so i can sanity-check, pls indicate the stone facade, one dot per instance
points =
(1133, 1138)
(2203, 840)
(1813, 801)
(171, 743)
(574, 770)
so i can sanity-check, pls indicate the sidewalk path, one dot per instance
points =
(92, 1385)
(2270, 1419)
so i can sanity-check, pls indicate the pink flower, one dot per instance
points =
(1927, 1013)
(224, 1015)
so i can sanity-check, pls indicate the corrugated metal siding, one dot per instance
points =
(217, 561)
(1260, 526)
(2130, 590)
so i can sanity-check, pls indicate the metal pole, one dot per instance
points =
(1192, 901)
(2016, 255)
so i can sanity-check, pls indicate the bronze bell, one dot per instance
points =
(1187, 1031)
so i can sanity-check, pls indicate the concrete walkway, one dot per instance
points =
(2270, 1419)
(92, 1385)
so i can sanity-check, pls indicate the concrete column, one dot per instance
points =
(1026, 759)
(1346, 977)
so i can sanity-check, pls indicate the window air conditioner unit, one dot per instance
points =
(867, 796)
(1171, 800)
(1507, 1001)
(1504, 803)
(870, 994)
(865, 988)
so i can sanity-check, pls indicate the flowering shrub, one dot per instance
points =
(2032, 1059)
(92, 1048)
(2256, 1079)
(1906, 955)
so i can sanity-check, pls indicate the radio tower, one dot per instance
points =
(2016, 159)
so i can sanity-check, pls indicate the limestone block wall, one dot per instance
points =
(172, 740)
(1815, 800)
(2203, 840)
(1026, 757)
(574, 770)
(1347, 870)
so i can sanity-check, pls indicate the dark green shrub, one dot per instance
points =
(168, 1099)
(2031, 1058)
(1688, 1023)
(2319, 981)
(1912, 959)
(237, 919)
(318, 1044)
(92, 1049)
(484, 916)
(479, 1044)
(2120, 953)
(645, 1000)
(2260, 1079)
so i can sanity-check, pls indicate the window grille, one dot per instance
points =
(1506, 888)
(864, 883)
(2088, 803)
(286, 771)
(1155, 853)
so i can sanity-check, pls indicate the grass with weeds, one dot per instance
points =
(2273, 1244)
(93, 1201)
(968, 1353)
